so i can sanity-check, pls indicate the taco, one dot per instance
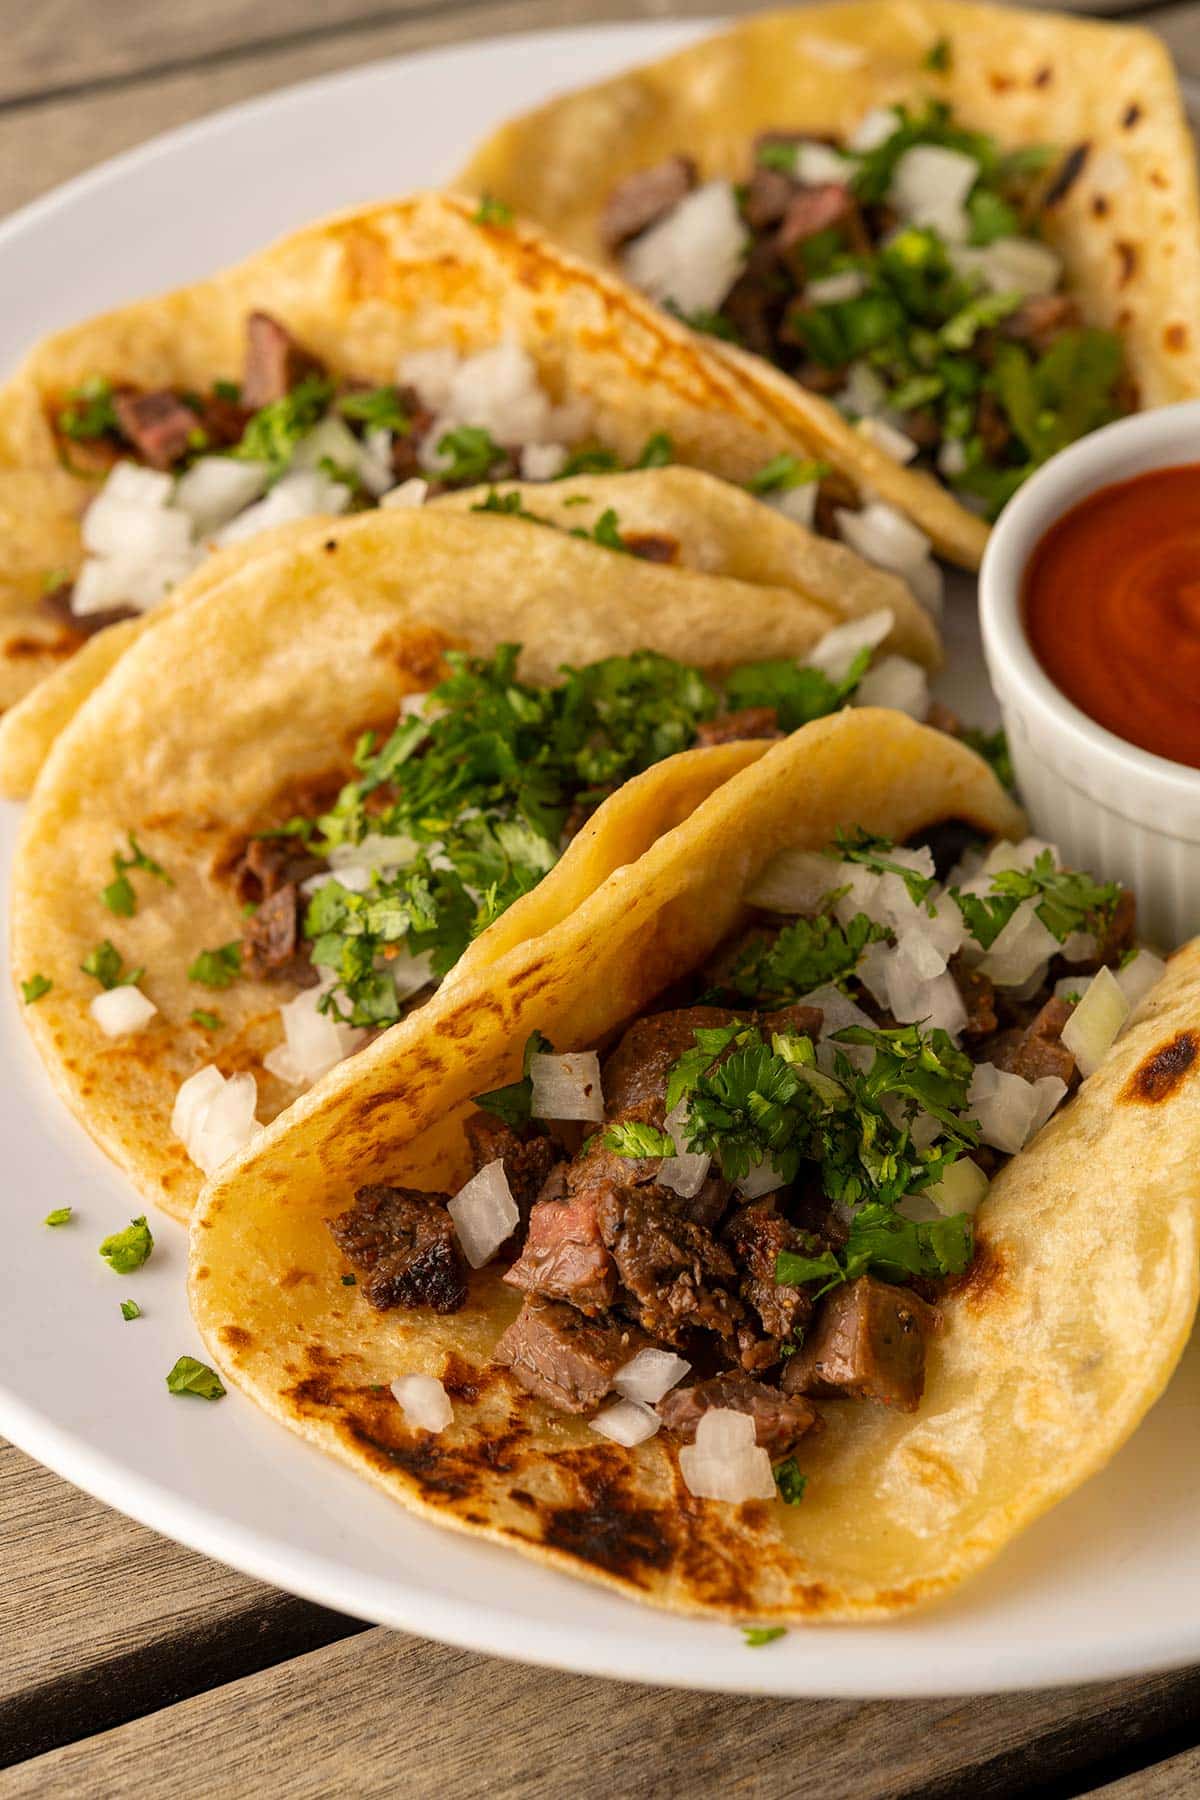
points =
(253, 848)
(972, 231)
(795, 1332)
(372, 359)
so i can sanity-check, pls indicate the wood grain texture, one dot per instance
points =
(383, 1714)
(1171, 1780)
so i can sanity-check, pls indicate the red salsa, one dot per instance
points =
(1111, 600)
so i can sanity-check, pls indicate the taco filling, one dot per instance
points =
(366, 905)
(186, 473)
(902, 274)
(750, 1204)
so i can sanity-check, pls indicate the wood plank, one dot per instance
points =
(383, 1713)
(62, 45)
(101, 1619)
(1169, 1780)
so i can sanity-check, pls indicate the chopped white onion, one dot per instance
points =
(1010, 1109)
(817, 164)
(1079, 946)
(834, 653)
(301, 494)
(883, 536)
(1004, 855)
(131, 528)
(1092, 1028)
(133, 482)
(1021, 950)
(960, 1190)
(725, 1462)
(873, 129)
(627, 1423)
(214, 1117)
(897, 682)
(695, 254)
(761, 1178)
(928, 585)
(952, 458)
(410, 973)
(1139, 975)
(314, 1041)
(567, 1086)
(937, 1002)
(888, 438)
(485, 1214)
(1013, 265)
(649, 1375)
(864, 395)
(543, 462)
(216, 488)
(498, 390)
(794, 881)
(410, 493)
(120, 1010)
(832, 290)
(423, 1401)
(929, 187)
(686, 1172)
(798, 503)
(839, 1013)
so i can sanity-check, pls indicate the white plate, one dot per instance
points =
(1108, 1585)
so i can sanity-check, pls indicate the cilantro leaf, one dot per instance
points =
(634, 1137)
(35, 988)
(491, 211)
(742, 1112)
(209, 1021)
(604, 532)
(378, 409)
(993, 747)
(273, 433)
(590, 459)
(130, 1310)
(60, 1216)
(192, 1377)
(1067, 900)
(939, 57)
(711, 1040)
(125, 1251)
(91, 413)
(217, 968)
(657, 452)
(514, 1103)
(790, 1482)
(986, 915)
(875, 854)
(805, 955)
(796, 693)
(784, 472)
(472, 455)
(758, 1635)
(106, 965)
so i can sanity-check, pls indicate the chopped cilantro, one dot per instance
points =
(758, 1635)
(130, 1310)
(604, 532)
(378, 409)
(712, 324)
(125, 1251)
(91, 413)
(60, 1216)
(274, 432)
(657, 452)
(784, 472)
(119, 895)
(881, 1239)
(35, 988)
(514, 1103)
(228, 390)
(805, 955)
(796, 693)
(780, 157)
(1068, 900)
(55, 578)
(217, 968)
(635, 1137)
(939, 57)
(472, 455)
(192, 1377)
(491, 211)
(790, 1482)
(711, 1041)
(993, 747)
(106, 965)
(349, 1280)
(590, 459)
(980, 314)
(510, 505)
(875, 854)
(209, 1021)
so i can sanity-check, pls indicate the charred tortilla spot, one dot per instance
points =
(202, 1273)
(418, 651)
(1131, 115)
(1099, 206)
(523, 1498)
(1158, 179)
(439, 1474)
(461, 1380)
(1175, 337)
(314, 1390)
(1069, 171)
(235, 1337)
(22, 649)
(293, 1277)
(987, 1278)
(1000, 84)
(624, 1539)
(331, 544)
(1044, 76)
(1127, 258)
(1157, 1078)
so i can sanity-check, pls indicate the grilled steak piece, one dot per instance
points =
(57, 604)
(868, 1343)
(268, 864)
(406, 460)
(275, 362)
(756, 1234)
(978, 996)
(1037, 1049)
(779, 1421)
(564, 1256)
(527, 1161)
(798, 1019)
(1040, 319)
(274, 946)
(557, 1354)
(825, 207)
(1117, 936)
(677, 1277)
(645, 197)
(732, 728)
(160, 426)
(768, 195)
(637, 1069)
(403, 1241)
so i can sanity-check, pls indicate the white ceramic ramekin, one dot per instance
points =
(1121, 812)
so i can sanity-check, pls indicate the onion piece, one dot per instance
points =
(952, 458)
(798, 503)
(214, 1117)
(485, 1214)
(864, 395)
(413, 492)
(929, 187)
(567, 1086)
(795, 881)
(725, 1462)
(543, 462)
(314, 1041)
(1021, 950)
(960, 1190)
(928, 585)
(883, 536)
(898, 683)
(215, 488)
(839, 1013)
(893, 442)
(1092, 1028)
(761, 1178)
(695, 254)
(120, 1010)
(192, 1099)
(1010, 1109)
(1139, 975)
(873, 129)
(627, 1423)
(834, 653)
(301, 494)
(832, 290)
(650, 1374)
(1013, 265)
(686, 1172)
(423, 1401)
(816, 164)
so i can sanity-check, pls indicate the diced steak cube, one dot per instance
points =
(404, 1242)
(160, 426)
(527, 1160)
(735, 727)
(756, 1234)
(1042, 318)
(797, 1020)
(564, 1256)
(637, 1069)
(811, 210)
(1038, 1049)
(268, 864)
(563, 1358)
(867, 1343)
(652, 546)
(275, 362)
(978, 996)
(274, 946)
(678, 1277)
(779, 1421)
(769, 193)
(643, 198)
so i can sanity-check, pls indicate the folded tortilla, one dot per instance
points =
(1061, 1336)
(358, 290)
(703, 523)
(216, 722)
(1127, 221)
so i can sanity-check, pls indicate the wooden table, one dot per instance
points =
(127, 1663)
